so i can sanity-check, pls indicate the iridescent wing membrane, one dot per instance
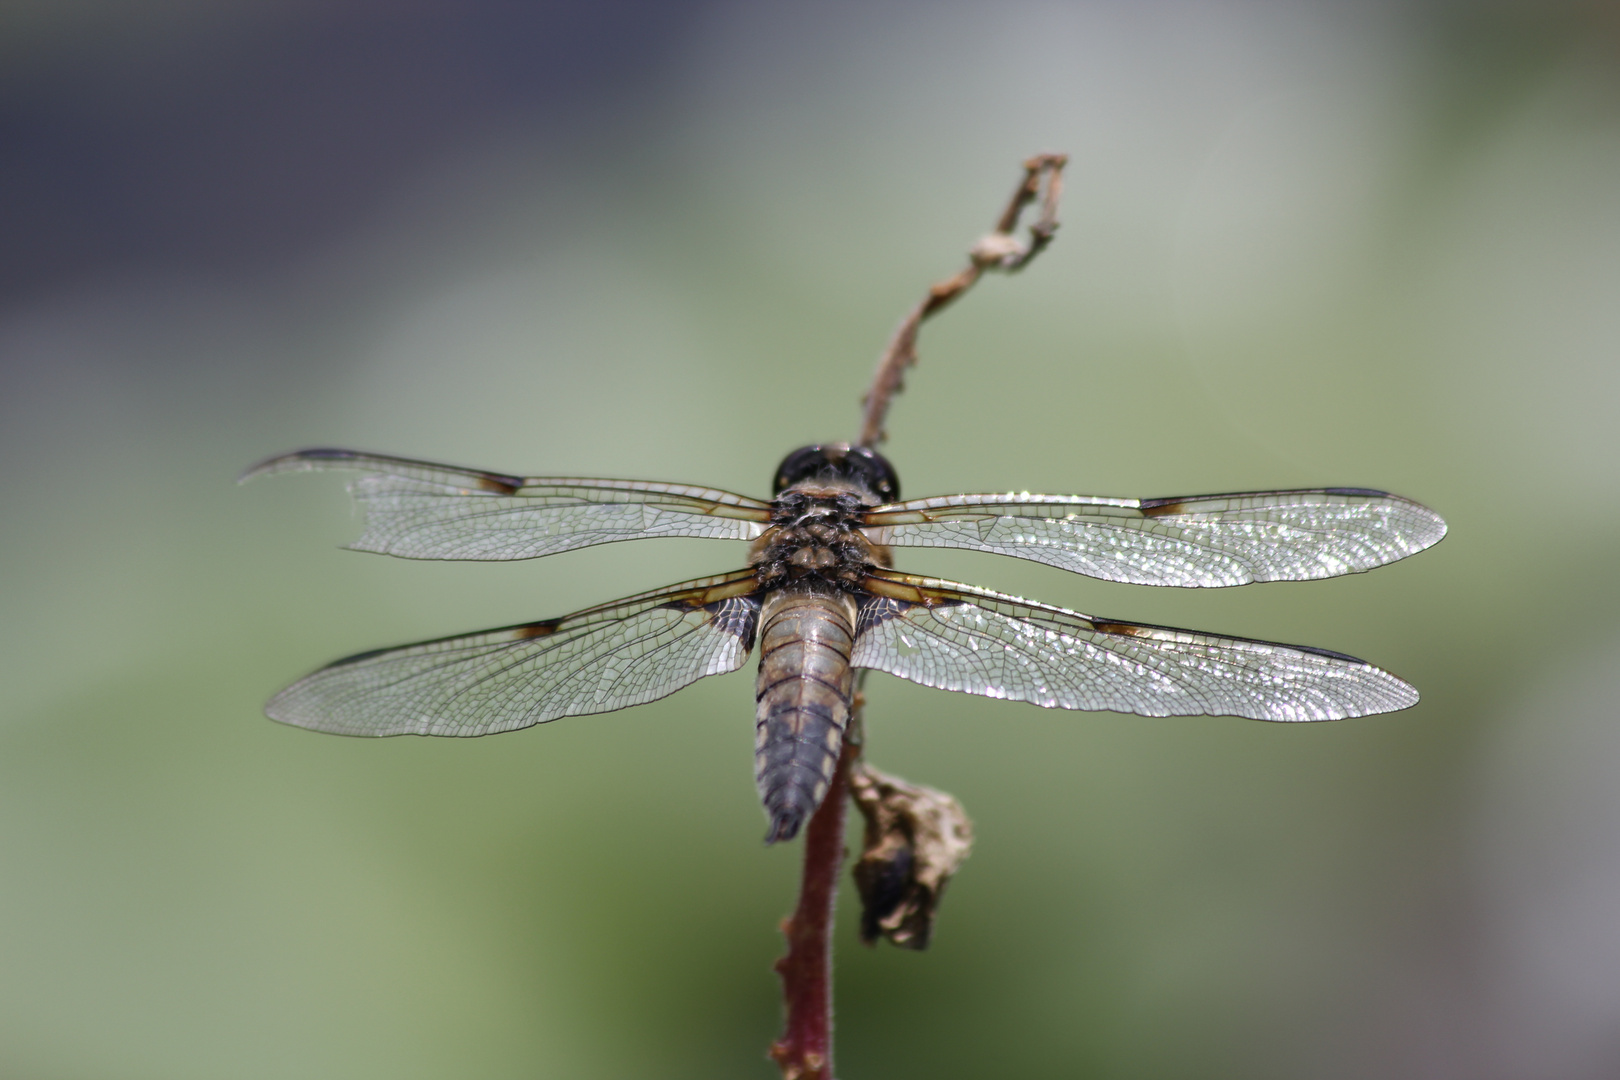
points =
(419, 510)
(1193, 541)
(957, 637)
(937, 633)
(604, 658)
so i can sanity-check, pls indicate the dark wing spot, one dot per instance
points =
(735, 615)
(876, 610)
(1365, 492)
(739, 616)
(544, 628)
(1162, 507)
(1123, 629)
(501, 485)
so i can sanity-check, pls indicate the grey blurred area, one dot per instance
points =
(1303, 244)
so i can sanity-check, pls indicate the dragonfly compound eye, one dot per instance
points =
(839, 461)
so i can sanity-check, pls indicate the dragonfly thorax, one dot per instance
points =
(815, 541)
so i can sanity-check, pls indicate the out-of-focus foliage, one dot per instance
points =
(1302, 244)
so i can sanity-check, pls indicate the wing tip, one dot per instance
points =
(1403, 695)
(283, 710)
(320, 457)
(1383, 694)
(1438, 527)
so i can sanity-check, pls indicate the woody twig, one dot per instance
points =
(997, 250)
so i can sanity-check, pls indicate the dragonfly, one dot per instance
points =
(820, 597)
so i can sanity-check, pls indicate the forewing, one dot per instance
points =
(1200, 540)
(419, 510)
(956, 637)
(610, 657)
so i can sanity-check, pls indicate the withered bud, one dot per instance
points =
(916, 838)
(994, 249)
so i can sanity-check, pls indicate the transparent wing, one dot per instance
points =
(419, 510)
(956, 637)
(1201, 540)
(610, 657)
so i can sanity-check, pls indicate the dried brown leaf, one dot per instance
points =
(916, 839)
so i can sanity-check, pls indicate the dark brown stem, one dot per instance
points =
(1000, 250)
(805, 1049)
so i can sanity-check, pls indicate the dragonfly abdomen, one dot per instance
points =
(803, 694)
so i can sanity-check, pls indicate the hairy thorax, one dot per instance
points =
(815, 543)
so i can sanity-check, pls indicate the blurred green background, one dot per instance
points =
(1303, 245)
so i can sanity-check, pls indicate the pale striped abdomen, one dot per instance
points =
(803, 694)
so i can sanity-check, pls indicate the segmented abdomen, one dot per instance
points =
(803, 694)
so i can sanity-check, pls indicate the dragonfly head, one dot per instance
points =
(839, 461)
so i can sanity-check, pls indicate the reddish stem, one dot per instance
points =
(805, 1049)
